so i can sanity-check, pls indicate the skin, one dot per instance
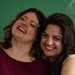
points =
(51, 44)
(25, 28)
(23, 35)
(51, 41)
(68, 67)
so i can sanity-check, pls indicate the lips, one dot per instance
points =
(22, 29)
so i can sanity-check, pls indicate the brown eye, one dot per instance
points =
(57, 38)
(44, 35)
(32, 25)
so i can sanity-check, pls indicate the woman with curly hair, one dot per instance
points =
(19, 54)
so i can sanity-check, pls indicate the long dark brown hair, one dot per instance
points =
(68, 41)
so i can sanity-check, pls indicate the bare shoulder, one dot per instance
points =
(68, 68)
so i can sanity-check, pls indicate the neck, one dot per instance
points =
(21, 48)
(20, 51)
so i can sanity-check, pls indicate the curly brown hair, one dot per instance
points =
(8, 31)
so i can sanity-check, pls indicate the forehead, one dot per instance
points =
(54, 29)
(31, 15)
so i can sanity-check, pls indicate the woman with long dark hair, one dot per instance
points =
(58, 44)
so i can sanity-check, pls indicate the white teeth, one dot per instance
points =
(49, 48)
(21, 29)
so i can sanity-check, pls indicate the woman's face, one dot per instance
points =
(51, 41)
(25, 27)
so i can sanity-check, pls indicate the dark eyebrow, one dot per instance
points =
(59, 36)
(44, 33)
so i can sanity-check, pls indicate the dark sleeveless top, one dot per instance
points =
(10, 66)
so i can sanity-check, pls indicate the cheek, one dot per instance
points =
(42, 41)
(17, 23)
(14, 28)
(33, 32)
(42, 38)
(60, 47)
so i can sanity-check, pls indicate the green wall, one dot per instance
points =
(10, 8)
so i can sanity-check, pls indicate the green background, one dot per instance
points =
(10, 8)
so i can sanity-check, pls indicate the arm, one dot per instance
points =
(68, 67)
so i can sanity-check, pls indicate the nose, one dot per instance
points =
(24, 24)
(49, 41)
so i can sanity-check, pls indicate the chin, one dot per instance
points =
(49, 54)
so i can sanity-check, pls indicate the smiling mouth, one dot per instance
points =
(22, 30)
(50, 48)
